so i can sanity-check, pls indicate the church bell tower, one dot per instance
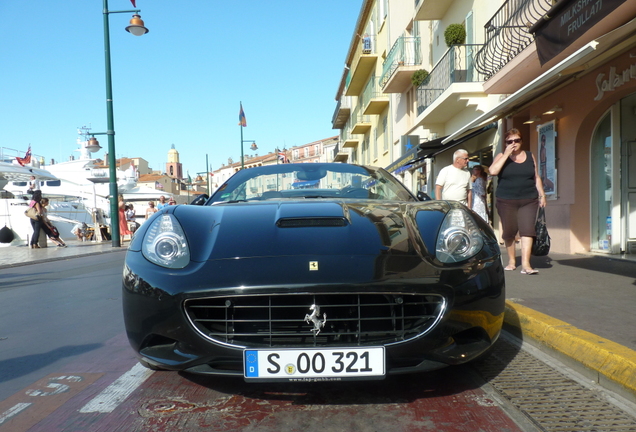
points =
(173, 167)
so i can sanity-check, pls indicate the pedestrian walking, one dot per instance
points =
(49, 229)
(162, 202)
(151, 209)
(131, 216)
(453, 181)
(480, 203)
(123, 223)
(37, 222)
(519, 194)
(33, 185)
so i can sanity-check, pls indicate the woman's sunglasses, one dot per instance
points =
(516, 141)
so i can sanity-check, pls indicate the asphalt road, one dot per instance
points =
(66, 365)
(54, 312)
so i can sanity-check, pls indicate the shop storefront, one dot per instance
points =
(584, 139)
(421, 162)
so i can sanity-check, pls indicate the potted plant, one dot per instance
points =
(419, 76)
(455, 34)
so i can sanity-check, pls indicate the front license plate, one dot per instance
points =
(314, 364)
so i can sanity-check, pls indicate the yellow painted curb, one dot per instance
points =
(608, 358)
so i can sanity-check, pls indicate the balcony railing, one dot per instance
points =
(341, 113)
(365, 56)
(346, 133)
(360, 123)
(405, 52)
(340, 154)
(507, 33)
(456, 66)
(373, 100)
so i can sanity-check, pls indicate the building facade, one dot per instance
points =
(406, 86)
(563, 73)
(316, 151)
(312, 152)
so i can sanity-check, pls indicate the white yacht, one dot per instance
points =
(78, 191)
(14, 201)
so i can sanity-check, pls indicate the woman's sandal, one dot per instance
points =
(530, 272)
(510, 268)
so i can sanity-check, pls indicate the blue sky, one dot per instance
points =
(179, 84)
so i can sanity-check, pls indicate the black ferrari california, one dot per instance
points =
(312, 272)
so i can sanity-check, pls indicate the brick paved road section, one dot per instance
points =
(106, 390)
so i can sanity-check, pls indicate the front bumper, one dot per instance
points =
(162, 332)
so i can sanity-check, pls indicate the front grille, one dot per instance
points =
(349, 319)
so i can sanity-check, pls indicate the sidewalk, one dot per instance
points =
(582, 308)
(14, 256)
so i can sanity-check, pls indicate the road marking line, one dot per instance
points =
(13, 411)
(117, 392)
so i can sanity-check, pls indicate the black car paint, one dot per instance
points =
(383, 246)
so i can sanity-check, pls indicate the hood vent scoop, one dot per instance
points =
(306, 222)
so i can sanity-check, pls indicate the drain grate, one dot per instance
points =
(551, 400)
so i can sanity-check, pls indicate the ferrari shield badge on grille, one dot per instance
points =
(313, 265)
(314, 318)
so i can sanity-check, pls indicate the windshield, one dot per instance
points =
(311, 180)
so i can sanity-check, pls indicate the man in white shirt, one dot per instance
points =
(33, 185)
(453, 181)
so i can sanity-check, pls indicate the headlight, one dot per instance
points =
(165, 243)
(459, 237)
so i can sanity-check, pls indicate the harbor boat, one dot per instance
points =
(87, 179)
(78, 192)
(13, 204)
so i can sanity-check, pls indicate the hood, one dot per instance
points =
(321, 227)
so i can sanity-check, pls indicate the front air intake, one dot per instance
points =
(311, 222)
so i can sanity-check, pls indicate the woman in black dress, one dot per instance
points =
(519, 195)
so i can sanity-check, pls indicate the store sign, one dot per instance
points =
(566, 22)
(410, 146)
(613, 80)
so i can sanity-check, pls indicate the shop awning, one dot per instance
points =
(587, 57)
(447, 145)
(403, 163)
(431, 148)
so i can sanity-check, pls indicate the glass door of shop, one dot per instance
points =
(601, 186)
(629, 195)
(628, 174)
(613, 180)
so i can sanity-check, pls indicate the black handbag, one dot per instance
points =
(541, 243)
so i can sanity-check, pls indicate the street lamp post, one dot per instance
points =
(207, 173)
(136, 28)
(252, 147)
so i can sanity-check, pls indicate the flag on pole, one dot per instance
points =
(26, 159)
(242, 119)
(133, 3)
(282, 157)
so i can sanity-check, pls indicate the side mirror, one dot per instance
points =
(200, 200)
(421, 196)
